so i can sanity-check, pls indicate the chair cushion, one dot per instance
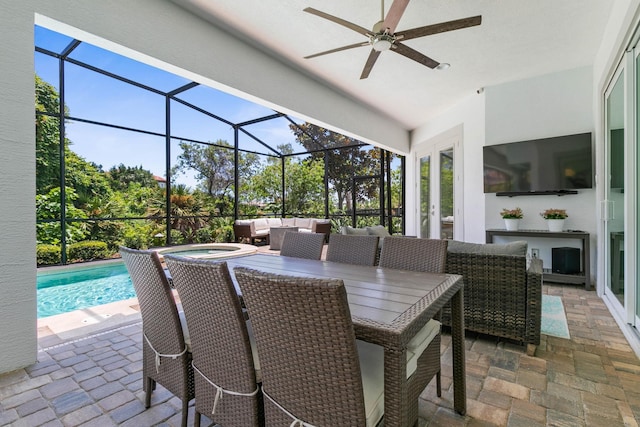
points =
(355, 231)
(419, 343)
(514, 248)
(254, 353)
(372, 370)
(185, 330)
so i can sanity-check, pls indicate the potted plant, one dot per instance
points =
(555, 218)
(512, 218)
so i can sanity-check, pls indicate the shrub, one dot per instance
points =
(224, 234)
(135, 240)
(176, 237)
(204, 235)
(48, 254)
(87, 250)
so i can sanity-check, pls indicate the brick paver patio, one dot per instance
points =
(593, 379)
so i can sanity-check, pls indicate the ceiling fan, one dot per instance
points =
(383, 35)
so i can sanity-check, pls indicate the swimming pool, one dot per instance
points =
(71, 289)
(64, 289)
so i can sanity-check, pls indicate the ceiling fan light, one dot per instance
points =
(443, 66)
(382, 42)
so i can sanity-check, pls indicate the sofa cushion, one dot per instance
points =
(243, 221)
(303, 223)
(261, 224)
(514, 248)
(274, 222)
(355, 231)
(288, 222)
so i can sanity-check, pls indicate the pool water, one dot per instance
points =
(68, 290)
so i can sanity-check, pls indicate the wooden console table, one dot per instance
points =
(583, 277)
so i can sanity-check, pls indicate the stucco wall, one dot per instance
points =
(17, 190)
(545, 106)
(469, 115)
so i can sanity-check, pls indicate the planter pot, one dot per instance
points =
(511, 224)
(555, 224)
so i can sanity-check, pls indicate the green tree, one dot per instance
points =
(187, 213)
(121, 176)
(344, 164)
(47, 137)
(84, 177)
(304, 184)
(48, 208)
(214, 166)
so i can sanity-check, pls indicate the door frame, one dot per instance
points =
(451, 138)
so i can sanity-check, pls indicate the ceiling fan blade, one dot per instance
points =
(338, 49)
(373, 57)
(395, 13)
(347, 24)
(414, 54)
(442, 27)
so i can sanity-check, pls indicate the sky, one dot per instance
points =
(93, 96)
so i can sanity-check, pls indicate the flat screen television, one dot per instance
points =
(550, 165)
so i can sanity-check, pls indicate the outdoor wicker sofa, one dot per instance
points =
(258, 228)
(502, 296)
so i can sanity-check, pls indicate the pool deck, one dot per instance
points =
(89, 372)
(68, 326)
(592, 379)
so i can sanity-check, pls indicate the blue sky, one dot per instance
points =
(92, 96)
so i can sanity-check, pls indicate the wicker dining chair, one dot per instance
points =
(226, 379)
(404, 253)
(352, 249)
(165, 347)
(302, 245)
(311, 370)
(428, 256)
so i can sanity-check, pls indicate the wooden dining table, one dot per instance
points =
(388, 307)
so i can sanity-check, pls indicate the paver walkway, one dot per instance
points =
(593, 379)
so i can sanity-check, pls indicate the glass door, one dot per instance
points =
(438, 194)
(635, 282)
(614, 194)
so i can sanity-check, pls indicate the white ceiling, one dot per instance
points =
(517, 39)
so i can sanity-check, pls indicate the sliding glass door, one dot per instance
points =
(620, 205)
(614, 206)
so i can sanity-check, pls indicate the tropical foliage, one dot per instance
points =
(127, 204)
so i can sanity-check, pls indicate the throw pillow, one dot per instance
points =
(378, 230)
(514, 248)
(355, 231)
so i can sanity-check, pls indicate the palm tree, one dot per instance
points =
(187, 212)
